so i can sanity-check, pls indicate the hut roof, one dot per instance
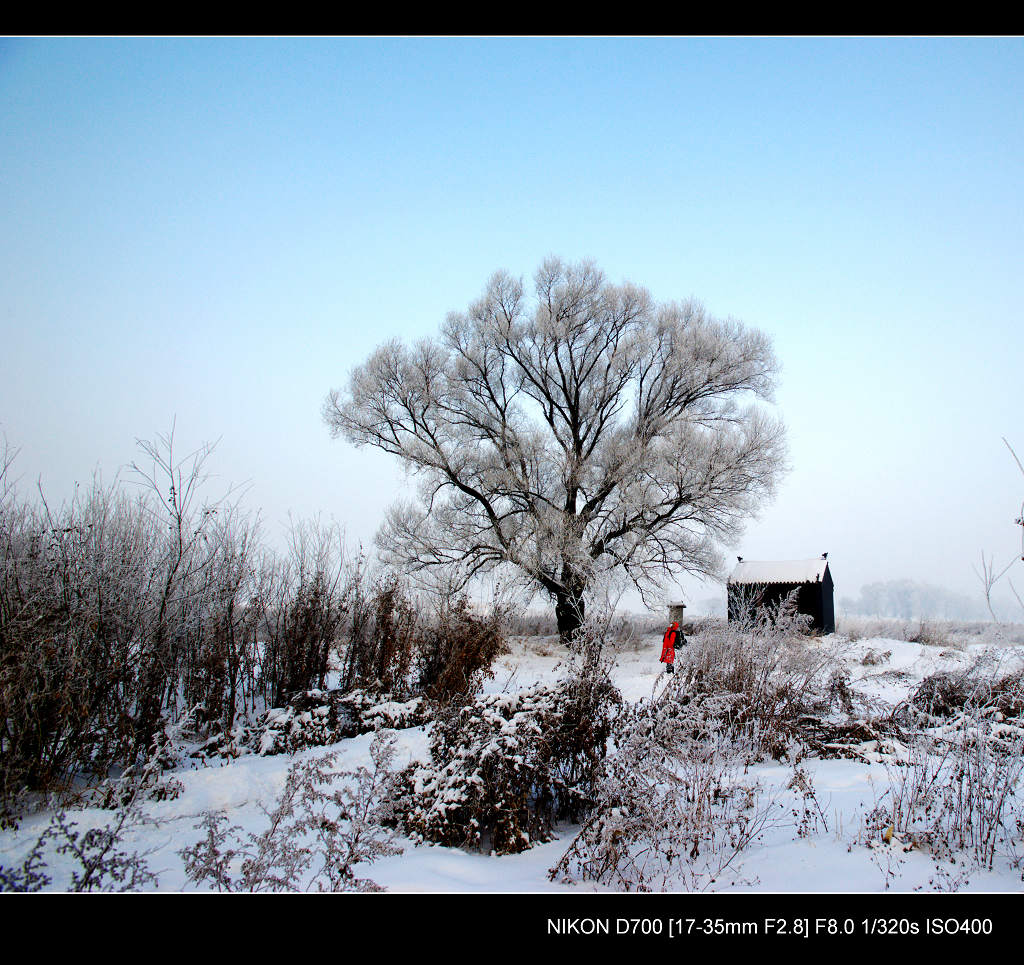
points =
(781, 571)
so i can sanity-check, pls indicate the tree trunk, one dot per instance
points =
(570, 612)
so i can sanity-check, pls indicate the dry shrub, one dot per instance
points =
(972, 690)
(761, 678)
(380, 633)
(674, 806)
(402, 644)
(874, 658)
(300, 631)
(388, 662)
(504, 767)
(929, 634)
(123, 614)
(74, 613)
(956, 793)
(324, 825)
(455, 652)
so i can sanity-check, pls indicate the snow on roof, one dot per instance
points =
(782, 571)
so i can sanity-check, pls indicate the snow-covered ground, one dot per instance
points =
(833, 856)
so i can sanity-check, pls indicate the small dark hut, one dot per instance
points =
(757, 584)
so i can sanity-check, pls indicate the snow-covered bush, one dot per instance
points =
(324, 825)
(957, 793)
(674, 806)
(974, 689)
(316, 718)
(761, 678)
(145, 781)
(504, 767)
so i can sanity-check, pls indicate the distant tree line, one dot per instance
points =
(908, 600)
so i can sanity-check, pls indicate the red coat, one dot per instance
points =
(668, 644)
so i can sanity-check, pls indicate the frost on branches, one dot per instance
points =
(575, 431)
(323, 826)
(98, 856)
(673, 805)
(504, 767)
(316, 718)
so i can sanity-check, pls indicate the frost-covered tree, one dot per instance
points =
(584, 429)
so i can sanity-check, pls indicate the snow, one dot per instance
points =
(836, 858)
(782, 571)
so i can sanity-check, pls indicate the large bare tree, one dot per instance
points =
(583, 429)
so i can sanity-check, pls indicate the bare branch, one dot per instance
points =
(584, 430)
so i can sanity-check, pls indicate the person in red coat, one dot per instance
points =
(668, 647)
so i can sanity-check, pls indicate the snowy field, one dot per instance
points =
(833, 853)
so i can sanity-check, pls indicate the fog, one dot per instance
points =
(212, 233)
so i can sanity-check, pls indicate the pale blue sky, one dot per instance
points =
(219, 229)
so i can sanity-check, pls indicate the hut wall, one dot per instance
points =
(814, 599)
(828, 611)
